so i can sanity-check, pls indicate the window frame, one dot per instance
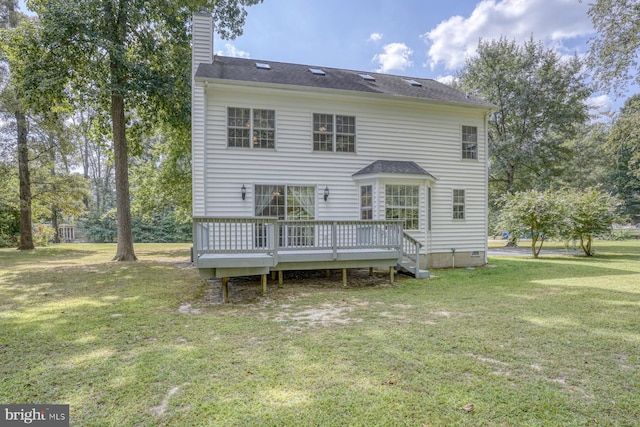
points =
(366, 210)
(256, 133)
(458, 205)
(334, 134)
(469, 148)
(398, 206)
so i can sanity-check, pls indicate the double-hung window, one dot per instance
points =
(366, 202)
(458, 204)
(470, 142)
(251, 128)
(403, 203)
(334, 133)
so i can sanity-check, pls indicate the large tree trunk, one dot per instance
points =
(26, 231)
(121, 157)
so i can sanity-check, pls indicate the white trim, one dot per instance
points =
(464, 205)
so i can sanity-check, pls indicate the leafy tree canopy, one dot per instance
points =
(540, 100)
(132, 57)
(614, 51)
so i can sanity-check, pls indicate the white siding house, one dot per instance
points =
(293, 142)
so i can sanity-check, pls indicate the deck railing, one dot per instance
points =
(411, 249)
(234, 235)
(269, 235)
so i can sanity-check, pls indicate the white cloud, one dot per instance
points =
(374, 37)
(230, 50)
(395, 56)
(549, 21)
(599, 105)
(448, 80)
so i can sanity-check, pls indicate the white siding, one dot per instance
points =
(202, 40)
(202, 53)
(430, 135)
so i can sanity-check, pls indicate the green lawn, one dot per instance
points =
(547, 342)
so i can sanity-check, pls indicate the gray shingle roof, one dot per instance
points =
(242, 69)
(394, 167)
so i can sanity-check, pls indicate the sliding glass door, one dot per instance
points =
(290, 203)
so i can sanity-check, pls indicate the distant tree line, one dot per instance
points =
(95, 125)
(95, 117)
(544, 142)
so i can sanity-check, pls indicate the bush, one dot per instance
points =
(43, 235)
(101, 228)
(9, 227)
(161, 227)
(619, 235)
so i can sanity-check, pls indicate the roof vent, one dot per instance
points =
(263, 66)
(367, 77)
(317, 71)
(413, 82)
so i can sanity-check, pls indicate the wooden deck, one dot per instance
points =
(232, 247)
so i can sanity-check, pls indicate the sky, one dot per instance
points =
(415, 38)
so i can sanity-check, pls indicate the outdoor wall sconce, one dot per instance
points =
(243, 191)
(326, 193)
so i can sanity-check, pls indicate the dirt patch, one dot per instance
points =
(325, 315)
(296, 284)
(162, 408)
(187, 309)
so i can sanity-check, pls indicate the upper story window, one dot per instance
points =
(251, 128)
(334, 133)
(470, 142)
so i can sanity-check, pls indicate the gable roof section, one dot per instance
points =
(242, 69)
(393, 167)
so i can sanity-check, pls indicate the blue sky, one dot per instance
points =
(417, 38)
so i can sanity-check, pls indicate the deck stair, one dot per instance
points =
(409, 263)
(409, 267)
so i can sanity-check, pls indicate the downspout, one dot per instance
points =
(205, 134)
(486, 176)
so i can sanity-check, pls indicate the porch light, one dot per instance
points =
(326, 193)
(243, 191)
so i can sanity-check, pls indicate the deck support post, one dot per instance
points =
(392, 271)
(273, 275)
(280, 278)
(328, 273)
(344, 277)
(264, 284)
(225, 290)
(370, 271)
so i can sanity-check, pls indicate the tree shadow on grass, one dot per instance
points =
(111, 341)
(53, 254)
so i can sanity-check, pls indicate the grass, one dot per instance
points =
(553, 341)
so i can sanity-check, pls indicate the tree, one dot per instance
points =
(55, 188)
(614, 51)
(9, 16)
(126, 51)
(623, 148)
(591, 212)
(540, 214)
(540, 103)
(590, 162)
(10, 21)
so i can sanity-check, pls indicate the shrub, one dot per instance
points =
(43, 235)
